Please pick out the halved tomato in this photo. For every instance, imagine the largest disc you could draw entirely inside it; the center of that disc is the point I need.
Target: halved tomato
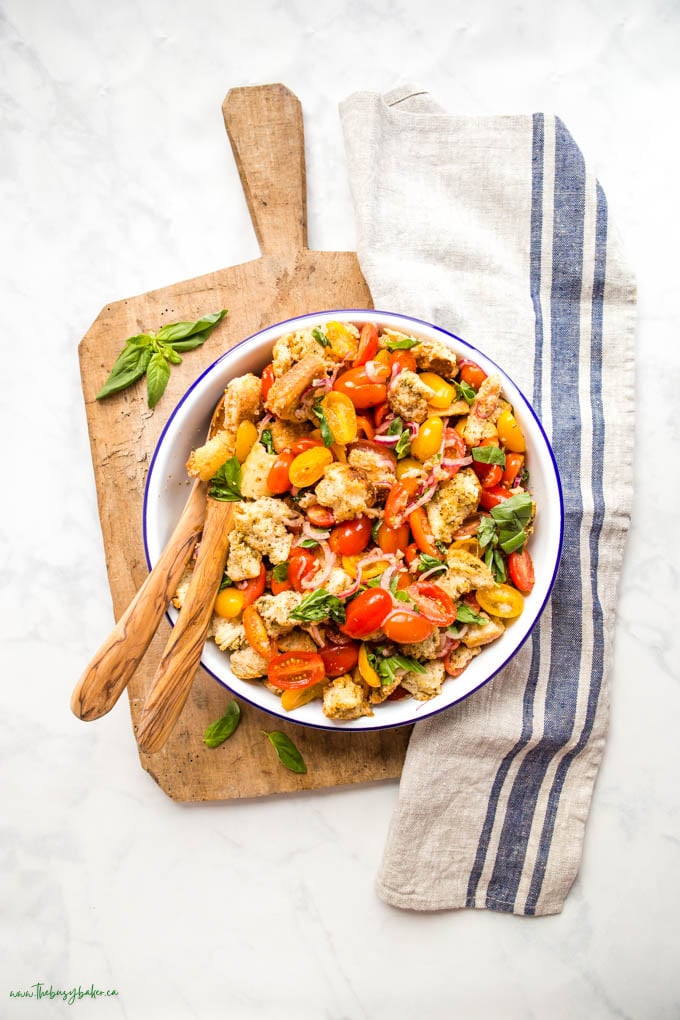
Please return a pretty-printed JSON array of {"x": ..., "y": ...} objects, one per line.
[
  {"x": 501, "y": 600},
  {"x": 278, "y": 479},
  {"x": 393, "y": 540},
  {"x": 320, "y": 516},
  {"x": 492, "y": 497},
  {"x": 397, "y": 501},
  {"x": 339, "y": 659},
  {"x": 256, "y": 633},
  {"x": 305, "y": 443},
  {"x": 433, "y": 603},
  {"x": 404, "y": 359},
  {"x": 471, "y": 373},
  {"x": 254, "y": 587},
  {"x": 268, "y": 379},
  {"x": 422, "y": 533},
  {"x": 521, "y": 570},
  {"x": 300, "y": 565},
  {"x": 295, "y": 670},
  {"x": 366, "y": 612},
  {"x": 368, "y": 344},
  {"x": 352, "y": 537}
]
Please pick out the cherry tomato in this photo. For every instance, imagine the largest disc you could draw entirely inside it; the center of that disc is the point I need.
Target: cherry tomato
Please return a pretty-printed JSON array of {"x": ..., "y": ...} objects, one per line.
[
  {"x": 412, "y": 553},
  {"x": 306, "y": 443},
  {"x": 444, "y": 393},
  {"x": 521, "y": 570},
  {"x": 471, "y": 373},
  {"x": 246, "y": 437},
  {"x": 455, "y": 441},
  {"x": 278, "y": 479},
  {"x": 392, "y": 540},
  {"x": 301, "y": 565},
  {"x": 380, "y": 413},
  {"x": 278, "y": 586},
  {"x": 368, "y": 344},
  {"x": 254, "y": 587},
  {"x": 268, "y": 379},
  {"x": 406, "y": 628},
  {"x": 256, "y": 633},
  {"x": 366, "y": 612},
  {"x": 295, "y": 670},
  {"x": 361, "y": 391},
  {"x": 433, "y": 603},
  {"x": 429, "y": 438},
  {"x": 229, "y": 603},
  {"x": 371, "y": 677},
  {"x": 405, "y": 360},
  {"x": 341, "y": 416},
  {"x": 451, "y": 668},
  {"x": 509, "y": 432},
  {"x": 352, "y": 537},
  {"x": 365, "y": 426},
  {"x": 489, "y": 474},
  {"x": 397, "y": 694},
  {"x": 397, "y": 501},
  {"x": 308, "y": 467},
  {"x": 513, "y": 465},
  {"x": 422, "y": 533},
  {"x": 320, "y": 516},
  {"x": 492, "y": 497},
  {"x": 339, "y": 659},
  {"x": 291, "y": 700},
  {"x": 501, "y": 600}
]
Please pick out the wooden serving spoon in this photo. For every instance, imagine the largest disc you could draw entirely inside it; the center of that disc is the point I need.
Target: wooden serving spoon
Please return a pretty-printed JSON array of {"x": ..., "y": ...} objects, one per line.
[
  {"x": 182, "y": 655},
  {"x": 111, "y": 668}
]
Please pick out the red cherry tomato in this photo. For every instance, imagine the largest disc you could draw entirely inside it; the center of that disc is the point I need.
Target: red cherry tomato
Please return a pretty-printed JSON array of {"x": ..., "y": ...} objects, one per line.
[
  {"x": 405, "y": 628},
  {"x": 392, "y": 540},
  {"x": 471, "y": 373},
  {"x": 489, "y": 475},
  {"x": 366, "y": 612},
  {"x": 513, "y": 466},
  {"x": 295, "y": 670},
  {"x": 278, "y": 586},
  {"x": 405, "y": 359},
  {"x": 339, "y": 659},
  {"x": 365, "y": 425},
  {"x": 521, "y": 570},
  {"x": 422, "y": 533},
  {"x": 493, "y": 496},
  {"x": 433, "y": 603},
  {"x": 256, "y": 633},
  {"x": 368, "y": 344},
  {"x": 254, "y": 587},
  {"x": 306, "y": 443},
  {"x": 397, "y": 694},
  {"x": 397, "y": 501},
  {"x": 380, "y": 413},
  {"x": 356, "y": 385},
  {"x": 278, "y": 481},
  {"x": 352, "y": 537},
  {"x": 449, "y": 666},
  {"x": 300, "y": 566},
  {"x": 320, "y": 516},
  {"x": 268, "y": 379},
  {"x": 454, "y": 444},
  {"x": 412, "y": 553}
]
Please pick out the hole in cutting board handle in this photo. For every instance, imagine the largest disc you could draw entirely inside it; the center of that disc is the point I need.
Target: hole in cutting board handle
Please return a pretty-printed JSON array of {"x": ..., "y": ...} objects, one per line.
[{"x": 264, "y": 125}]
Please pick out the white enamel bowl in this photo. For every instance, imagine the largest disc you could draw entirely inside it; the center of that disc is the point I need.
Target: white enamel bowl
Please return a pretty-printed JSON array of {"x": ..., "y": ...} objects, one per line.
[{"x": 167, "y": 488}]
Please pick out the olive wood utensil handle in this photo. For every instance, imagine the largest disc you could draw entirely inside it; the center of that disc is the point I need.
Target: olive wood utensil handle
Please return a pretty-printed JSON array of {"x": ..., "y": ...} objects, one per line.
[
  {"x": 109, "y": 672},
  {"x": 182, "y": 654}
]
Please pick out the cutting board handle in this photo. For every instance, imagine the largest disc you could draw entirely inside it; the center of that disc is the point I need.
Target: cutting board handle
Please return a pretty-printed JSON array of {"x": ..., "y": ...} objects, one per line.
[{"x": 264, "y": 124}]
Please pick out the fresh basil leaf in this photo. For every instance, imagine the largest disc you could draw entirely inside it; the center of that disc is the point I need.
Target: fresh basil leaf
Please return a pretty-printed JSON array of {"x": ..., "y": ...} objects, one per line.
[
  {"x": 129, "y": 366},
  {"x": 488, "y": 455},
  {"x": 374, "y": 530},
  {"x": 427, "y": 562},
  {"x": 308, "y": 543},
  {"x": 465, "y": 614},
  {"x": 514, "y": 542},
  {"x": 157, "y": 375},
  {"x": 521, "y": 505},
  {"x": 179, "y": 331},
  {"x": 226, "y": 484},
  {"x": 326, "y": 434},
  {"x": 396, "y": 427},
  {"x": 286, "y": 750},
  {"x": 319, "y": 605},
  {"x": 221, "y": 730},
  {"x": 172, "y": 355},
  {"x": 280, "y": 571},
  {"x": 499, "y": 571},
  {"x": 267, "y": 441},
  {"x": 373, "y": 582},
  {"x": 387, "y": 666},
  {"x": 226, "y": 582},
  {"x": 465, "y": 391},
  {"x": 403, "y": 344},
  {"x": 401, "y": 596},
  {"x": 403, "y": 447},
  {"x": 442, "y": 546},
  {"x": 321, "y": 337},
  {"x": 524, "y": 478},
  {"x": 486, "y": 532}
]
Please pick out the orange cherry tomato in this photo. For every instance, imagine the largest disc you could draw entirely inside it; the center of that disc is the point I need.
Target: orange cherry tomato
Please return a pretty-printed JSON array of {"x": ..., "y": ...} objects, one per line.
[
  {"x": 278, "y": 479},
  {"x": 406, "y": 628},
  {"x": 433, "y": 603},
  {"x": 397, "y": 501},
  {"x": 412, "y": 553},
  {"x": 422, "y": 533},
  {"x": 368, "y": 344},
  {"x": 278, "y": 586},
  {"x": 521, "y": 570},
  {"x": 339, "y": 659},
  {"x": 513, "y": 465},
  {"x": 306, "y": 443},
  {"x": 380, "y": 413},
  {"x": 254, "y": 587},
  {"x": 256, "y": 633},
  {"x": 364, "y": 425},
  {"x": 308, "y": 467},
  {"x": 356, "y": 385},
  {"x": 320, "y": 516},
  {"x": 366, "y": 612},
  {"x": 471, "y": 373},
  {"x": 301, "y": 565},
  {"x": 405, "y": 359},
  {"x": 352, "y": 537},
  {"x": 392, "y": 540},
  {"x": 295, "y": 670},
  {"x": 268, "y": 380},
  {"x": 341, "y": 416}
]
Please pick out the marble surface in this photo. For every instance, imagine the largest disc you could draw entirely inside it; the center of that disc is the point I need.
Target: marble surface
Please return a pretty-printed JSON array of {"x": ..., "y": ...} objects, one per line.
[{"x": 116, "y": 178}]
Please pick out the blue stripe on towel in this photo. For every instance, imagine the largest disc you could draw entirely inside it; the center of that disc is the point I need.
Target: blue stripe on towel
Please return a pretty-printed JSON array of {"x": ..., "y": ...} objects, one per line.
[
  {"x": 562, "y": 691},
  {"x": 594, "y": 538},
  {"x": 537, "y": 153}
]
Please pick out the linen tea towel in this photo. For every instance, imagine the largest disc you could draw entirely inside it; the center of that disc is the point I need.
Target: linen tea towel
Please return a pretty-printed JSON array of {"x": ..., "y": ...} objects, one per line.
[{"x": 495, "y": 228}]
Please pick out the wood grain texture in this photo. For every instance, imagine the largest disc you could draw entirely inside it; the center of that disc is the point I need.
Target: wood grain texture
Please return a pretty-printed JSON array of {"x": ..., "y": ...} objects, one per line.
[{"x": 285, "y": 282}]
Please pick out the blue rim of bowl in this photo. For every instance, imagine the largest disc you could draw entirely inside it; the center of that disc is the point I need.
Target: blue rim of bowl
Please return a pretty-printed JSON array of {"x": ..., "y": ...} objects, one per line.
[{"x": 367, "y": 313}]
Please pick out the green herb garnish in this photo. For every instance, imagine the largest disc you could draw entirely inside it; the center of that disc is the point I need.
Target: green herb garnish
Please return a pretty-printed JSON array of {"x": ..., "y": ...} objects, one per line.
[
  {"x": 488, "y": 455},
  {"x": 321, "y": 337},
  {"x": 226, "y": 485},
  {"x": 427, "y": 562},
  {"x": 221, "y": 730},
  {"x": 267, "y": 440},
  {"x": 326, "y": 434},
  {"x": 465, "y": 391},
  {"x": 402, "y": 344},
  {"x": 280, "y": 571},
  {"x": 403, "y": 445},
  {"x": 387, "y": 666},
  {"x": 151, "y": 354},
  {"x": 464, "y": 614},
  {"x": 226, "y": 582},
  {"x": 286, "y": 750},
  {"x": 504, "y": 531},
  {"x": 374, "y": 530},
  {"x": 319, "y": 605},
  {"x": 307, "y": 543}
]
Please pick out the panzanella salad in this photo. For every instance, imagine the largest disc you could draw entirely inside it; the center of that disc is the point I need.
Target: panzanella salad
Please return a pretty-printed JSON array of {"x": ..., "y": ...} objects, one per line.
[{"x": 381, "y": 518}]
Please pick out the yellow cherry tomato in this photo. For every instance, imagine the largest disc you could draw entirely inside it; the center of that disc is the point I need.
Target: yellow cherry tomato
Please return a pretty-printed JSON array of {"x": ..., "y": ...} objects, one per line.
[
  {"x": 366, "y": 669},
  {"x": 501, "y": 600},
  {"x": 341, "y": 416},
  {"x": 349, "y": 565},
  {"x": 459, "y": 427},
  {"x": 429, "y": 439},
  {"x": 343, "y": 340},
  {"x": 509, "y": 432},
  {"x": 229, "y": 603},
  {"x": 309, "y": 466},
  {"x": 409, "y": 467},
  {"x": 383, "y": 357},
  {"x": 444, "y": 393},
  {"x": 246, "y": 437},
  {"x": 291, "y": 699},
  {"x": 468, "y": 545}
]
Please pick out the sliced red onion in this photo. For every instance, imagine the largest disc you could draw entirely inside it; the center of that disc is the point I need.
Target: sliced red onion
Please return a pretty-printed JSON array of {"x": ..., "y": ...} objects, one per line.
[
  {"x": 387, "y": 577},
  {"x": 396, "y": 369},
  {"x": 425, "y": 498},
  {"x": 241, "y": 585},
  {"x": 430, "y": 573},
  {"x": 321, "y": 575},
  {"x": 413, "y": 428},
  {"x": 351, "y": 590},
  {"x": 263, "y": 424},
  {"x": 456, "y": 462},
  {"x": 386, "y": 440},
  {"x": 317, "y": 534},
  {"x": 385, "y": 425},
  {"x": 374, "y": 374},
  {"x": 316, "y": 636}
]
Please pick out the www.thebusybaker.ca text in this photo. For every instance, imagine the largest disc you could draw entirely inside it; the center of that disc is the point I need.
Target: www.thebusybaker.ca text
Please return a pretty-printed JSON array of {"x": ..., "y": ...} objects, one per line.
[{"x": 69, "y": 995}]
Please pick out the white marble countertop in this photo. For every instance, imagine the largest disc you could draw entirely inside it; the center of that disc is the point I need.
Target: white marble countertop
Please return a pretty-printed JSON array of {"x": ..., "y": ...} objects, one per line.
[{"x": 116, "y": 178}]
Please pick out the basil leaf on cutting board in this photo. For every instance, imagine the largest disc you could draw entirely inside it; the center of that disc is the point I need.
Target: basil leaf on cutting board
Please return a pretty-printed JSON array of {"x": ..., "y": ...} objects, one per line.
[
  {"x": 286, "y": 750},
  {"x": 221, "y": 730}
]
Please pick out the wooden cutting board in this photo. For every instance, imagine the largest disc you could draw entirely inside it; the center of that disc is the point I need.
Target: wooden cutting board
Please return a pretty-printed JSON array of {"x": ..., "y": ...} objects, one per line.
[{"x": 264, "y": 125}]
